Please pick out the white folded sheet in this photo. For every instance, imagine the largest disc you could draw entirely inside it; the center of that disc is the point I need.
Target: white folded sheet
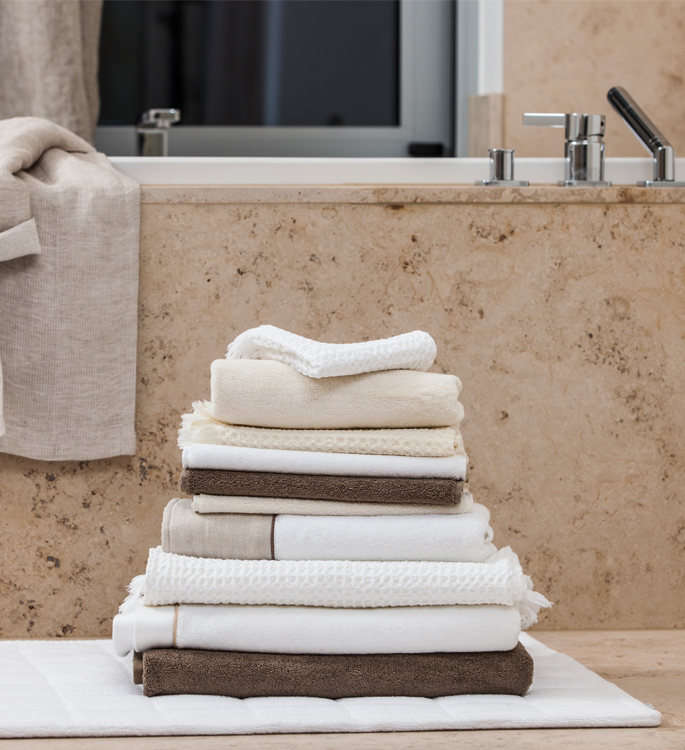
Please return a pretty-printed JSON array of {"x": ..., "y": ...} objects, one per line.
[
  {"x": 290, "y": 506},
  {"x": 177, "y": 579},
  {"x": 315, "y": 630},
  {"x": 233, "y": 458},
  {"x": 459, "y": 538},
  {"x": 408, "y": 351}
]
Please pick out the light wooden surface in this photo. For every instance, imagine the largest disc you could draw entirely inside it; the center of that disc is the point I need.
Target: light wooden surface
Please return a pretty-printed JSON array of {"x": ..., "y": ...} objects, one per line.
[{"x": 648, "y": 664}]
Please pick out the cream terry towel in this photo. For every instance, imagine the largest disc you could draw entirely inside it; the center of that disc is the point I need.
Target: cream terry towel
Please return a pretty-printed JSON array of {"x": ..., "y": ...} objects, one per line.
[
  {"x": 272, "y": 394},
  {"x": 458, "y": 538},
  {"x": 68, "y": 296},
  {"x": 231, "y": 458},
  {"x": 202, "y": 427},
  {"x": 290, "y": 506},
  {"x": 176, "y": 579},
  {"x": 317, "y": 630},
  {"x": 409, "y": 351}
]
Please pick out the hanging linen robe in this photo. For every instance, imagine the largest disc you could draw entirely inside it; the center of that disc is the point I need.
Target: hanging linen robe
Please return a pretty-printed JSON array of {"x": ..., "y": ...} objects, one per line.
[
  {"x": 69, "y": 226},
  {"x": 49, "y": 61}
]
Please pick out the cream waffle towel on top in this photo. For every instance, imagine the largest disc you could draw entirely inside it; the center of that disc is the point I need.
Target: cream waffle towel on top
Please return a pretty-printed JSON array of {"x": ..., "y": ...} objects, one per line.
[
  {"x": 202, "y": 427},
  {"x": 409, "y": 351},
  {"x": 176, "y": 579},
  {"x": 272, "y": 394}
]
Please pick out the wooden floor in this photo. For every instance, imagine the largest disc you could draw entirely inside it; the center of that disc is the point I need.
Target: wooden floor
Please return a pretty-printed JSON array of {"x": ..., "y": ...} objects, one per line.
[{"x": 648, "y": 664}]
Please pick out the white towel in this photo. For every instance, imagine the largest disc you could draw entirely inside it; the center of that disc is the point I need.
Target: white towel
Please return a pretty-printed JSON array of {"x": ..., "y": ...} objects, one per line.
[
  {"x": 232, "y": 458},
  {"x": 177, "y": 579},
  {"x": 278, "y": 506},
  {"x": 202, "y": 427},
  {"x": 409, "y": 351},
  {"x": 316, "y": 630},
  {"x": 460, "y": 538}
]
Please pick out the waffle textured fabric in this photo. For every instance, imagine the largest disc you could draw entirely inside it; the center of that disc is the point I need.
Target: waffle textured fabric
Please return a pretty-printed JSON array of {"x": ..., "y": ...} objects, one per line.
[
  {"x": 202, "y": 427},
  {"x": 408, "y": 351},
  {"x": 271, "y": 394},
  {"x": 177, "y": 579},
  {"x": 74, "y": 688}
]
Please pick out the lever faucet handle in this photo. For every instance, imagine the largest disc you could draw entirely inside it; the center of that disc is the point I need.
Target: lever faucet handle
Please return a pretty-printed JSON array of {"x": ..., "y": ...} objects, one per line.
[
  {"x": 160, "y": 118},
  {"x": 545, "y": 119},
  {"x": 578, "y": 125}
]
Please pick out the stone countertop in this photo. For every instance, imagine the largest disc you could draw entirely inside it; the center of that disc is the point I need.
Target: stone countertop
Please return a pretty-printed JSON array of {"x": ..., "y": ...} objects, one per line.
[
  {"x": 649, "y": 664},
  {"x": 408, "y": 194}
]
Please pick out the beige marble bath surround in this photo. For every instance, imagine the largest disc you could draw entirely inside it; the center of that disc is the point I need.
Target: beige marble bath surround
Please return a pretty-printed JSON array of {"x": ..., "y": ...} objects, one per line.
[{"x": 561, "y": 311}]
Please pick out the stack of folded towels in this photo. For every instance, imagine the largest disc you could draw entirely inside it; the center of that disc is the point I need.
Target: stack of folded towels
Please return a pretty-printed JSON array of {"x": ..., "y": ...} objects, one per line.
[{"x": 330, "y": 548}]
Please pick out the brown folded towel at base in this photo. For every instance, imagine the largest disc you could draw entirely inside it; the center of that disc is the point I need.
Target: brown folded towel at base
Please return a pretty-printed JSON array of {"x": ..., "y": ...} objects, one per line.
[
  {"x": 322, "y": 487},
  {"x": 169, "y": 671}
]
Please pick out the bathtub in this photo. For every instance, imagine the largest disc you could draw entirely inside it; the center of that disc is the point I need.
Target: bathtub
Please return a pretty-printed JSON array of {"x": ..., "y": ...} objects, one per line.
[{"x": 180, "y": 170}]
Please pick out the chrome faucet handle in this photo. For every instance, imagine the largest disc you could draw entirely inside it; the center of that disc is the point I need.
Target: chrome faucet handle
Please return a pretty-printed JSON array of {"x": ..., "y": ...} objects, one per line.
[
  {"x": 159, "y": 118},
  {"x": 649, "y": 136},
  {"x": 153, "y": 131},
  {"x": 502, "y": 169},
  {"x": 584, "y": 147}
]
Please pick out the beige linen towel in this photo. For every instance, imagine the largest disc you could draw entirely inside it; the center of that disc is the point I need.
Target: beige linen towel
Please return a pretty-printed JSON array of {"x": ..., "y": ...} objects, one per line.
[
  {"x": 49, "y": 62},
  {"x": 290, "y": 506},
  {"x": 68, "y": 296},
  {"x": 263, "y": 393}
]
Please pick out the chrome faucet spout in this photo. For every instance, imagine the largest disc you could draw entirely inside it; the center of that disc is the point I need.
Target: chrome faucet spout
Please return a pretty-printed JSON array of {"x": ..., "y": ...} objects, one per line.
[{"x": 648, "y": 134}]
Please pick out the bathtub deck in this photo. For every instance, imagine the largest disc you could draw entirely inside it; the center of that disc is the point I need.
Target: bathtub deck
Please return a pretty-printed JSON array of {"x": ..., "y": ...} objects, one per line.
[{"x": 648, "y": 664}]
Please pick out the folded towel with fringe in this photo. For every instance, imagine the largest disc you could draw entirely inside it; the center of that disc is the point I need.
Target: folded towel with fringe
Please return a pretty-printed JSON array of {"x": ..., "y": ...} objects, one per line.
[
  {"x": 408, "y": 351},
  {"x": 177, "y": 579},
  {"x": 272, "y": 394},
  {"x": 313, "y": 630},
  {"x": 321, "y": 487},
  {"x": 232, "y": 458},
  {"x": 292, "y": 506},
  {"x": 202, "y": 427},
  {"x": 178, "y": 671},
  {"x": 459, "y": 538}
]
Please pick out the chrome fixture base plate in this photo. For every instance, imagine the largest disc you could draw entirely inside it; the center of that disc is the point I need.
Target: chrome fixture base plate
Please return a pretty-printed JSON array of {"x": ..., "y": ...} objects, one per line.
[
  {"x": 503, "y": 183},
  {"x": 660, "y": 183},
  {"x": 584, "y": 183}
]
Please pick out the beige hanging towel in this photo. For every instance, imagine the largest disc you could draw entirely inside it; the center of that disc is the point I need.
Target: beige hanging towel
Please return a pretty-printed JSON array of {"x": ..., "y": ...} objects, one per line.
[{"x": 69, "y": 226}]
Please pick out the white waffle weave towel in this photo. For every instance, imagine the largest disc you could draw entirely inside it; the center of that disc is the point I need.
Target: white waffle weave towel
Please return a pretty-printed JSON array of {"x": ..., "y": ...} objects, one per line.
[
  {"x": 176, "y": 579},
  {"x": 408, "y": 351}
]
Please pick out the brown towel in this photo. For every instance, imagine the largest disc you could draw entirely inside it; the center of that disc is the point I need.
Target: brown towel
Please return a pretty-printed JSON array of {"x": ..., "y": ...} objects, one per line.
[
  {"x": 321, "y": 487},
  {"x": 168, "y": 671}
]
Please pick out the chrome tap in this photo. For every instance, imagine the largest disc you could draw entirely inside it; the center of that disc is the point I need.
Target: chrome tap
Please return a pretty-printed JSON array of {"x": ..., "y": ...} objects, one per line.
[
  {"x": 153, "y": 131},
  {"x": 649, "y": 135},
  {"x": 584, "y": 148}
]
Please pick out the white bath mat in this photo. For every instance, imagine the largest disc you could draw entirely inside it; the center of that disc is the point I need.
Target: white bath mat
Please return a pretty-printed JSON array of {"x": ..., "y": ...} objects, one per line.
[{"x": 80, "y": 689}]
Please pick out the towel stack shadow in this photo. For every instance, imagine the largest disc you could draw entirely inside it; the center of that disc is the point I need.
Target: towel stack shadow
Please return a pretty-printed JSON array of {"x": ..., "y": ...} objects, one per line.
[{"x": 330, "y": 548}]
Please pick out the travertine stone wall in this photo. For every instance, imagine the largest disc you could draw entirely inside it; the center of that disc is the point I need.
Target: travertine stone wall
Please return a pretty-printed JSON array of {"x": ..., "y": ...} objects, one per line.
[
  {"x": 561, "y": 310},
  {"x": 564, "y": 55}
]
